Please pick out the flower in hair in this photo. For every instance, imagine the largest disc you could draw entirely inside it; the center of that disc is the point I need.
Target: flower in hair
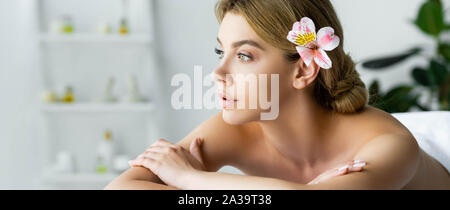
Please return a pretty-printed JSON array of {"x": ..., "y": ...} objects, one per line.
[{"x": 312, "y": 46}]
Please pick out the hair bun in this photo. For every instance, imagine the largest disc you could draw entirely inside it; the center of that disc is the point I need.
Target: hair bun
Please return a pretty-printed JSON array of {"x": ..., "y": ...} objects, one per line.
[{"x": 350, "y": 94}]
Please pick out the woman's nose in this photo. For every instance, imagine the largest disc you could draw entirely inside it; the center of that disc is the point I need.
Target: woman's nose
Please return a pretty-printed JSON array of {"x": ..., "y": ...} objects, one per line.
[
  {"x": 218, "y": 78},
  {"x": 221, "y": 77}
]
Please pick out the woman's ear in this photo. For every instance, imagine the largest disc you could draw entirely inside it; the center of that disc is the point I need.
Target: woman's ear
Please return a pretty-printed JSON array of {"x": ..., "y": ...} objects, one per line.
[{"x": 304, "y": 75}]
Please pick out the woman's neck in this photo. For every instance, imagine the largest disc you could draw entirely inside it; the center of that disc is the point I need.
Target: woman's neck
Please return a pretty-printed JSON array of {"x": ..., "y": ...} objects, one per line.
[{"x": 303, "y": 131}]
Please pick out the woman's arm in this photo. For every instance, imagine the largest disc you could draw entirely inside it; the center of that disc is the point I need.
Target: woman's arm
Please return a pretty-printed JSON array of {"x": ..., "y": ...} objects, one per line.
[
  {"x": 202, "y": 180},
  {"x": 138, "y": 178},
  {"x": 392, "y": 161},
  {"x": 218, "y": 149}
]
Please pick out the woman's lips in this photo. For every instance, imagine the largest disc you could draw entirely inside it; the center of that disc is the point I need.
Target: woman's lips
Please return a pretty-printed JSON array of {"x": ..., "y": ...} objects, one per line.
[{"x": 226, "y": 102}]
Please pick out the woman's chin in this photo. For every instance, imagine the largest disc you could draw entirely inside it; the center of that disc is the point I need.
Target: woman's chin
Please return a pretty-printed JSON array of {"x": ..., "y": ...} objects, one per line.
[{"x": 239, "y": 117}]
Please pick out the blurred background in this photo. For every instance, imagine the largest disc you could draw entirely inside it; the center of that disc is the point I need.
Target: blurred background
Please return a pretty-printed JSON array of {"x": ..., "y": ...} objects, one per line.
[{"x": 85, "y": 84}]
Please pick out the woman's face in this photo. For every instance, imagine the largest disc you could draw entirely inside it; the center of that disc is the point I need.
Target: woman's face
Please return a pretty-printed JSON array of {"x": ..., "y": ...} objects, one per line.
[{"x": 244, "y": 59}]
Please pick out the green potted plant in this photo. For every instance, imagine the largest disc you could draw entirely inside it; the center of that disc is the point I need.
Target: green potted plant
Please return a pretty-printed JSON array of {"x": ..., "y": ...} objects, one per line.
[{"x": 434, "y": 78}]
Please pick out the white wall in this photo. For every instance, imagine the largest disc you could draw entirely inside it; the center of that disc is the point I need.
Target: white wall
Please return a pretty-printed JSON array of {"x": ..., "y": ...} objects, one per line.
[
  {"x": 17, "y": 80},
  {"x": 187, "y": 32}
]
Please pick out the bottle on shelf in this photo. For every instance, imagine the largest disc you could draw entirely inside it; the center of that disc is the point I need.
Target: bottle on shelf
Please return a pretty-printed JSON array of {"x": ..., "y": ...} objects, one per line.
[
  {"x": 105, "y": 154},
  {"x": 123, "y": 25},
  {"x": 62, "y": 25},
  {"x": 123, "y": 28},
  {"x": 68, "y": 25},
  {"x": 101, "y": 166},
  {"x": 107, "y": 94},
  {"x": 68, "y": 96},
  {"x": 133, "y": 95},
  {"x": 104, "y": 28},
  {"x": 49, "y": 97}
]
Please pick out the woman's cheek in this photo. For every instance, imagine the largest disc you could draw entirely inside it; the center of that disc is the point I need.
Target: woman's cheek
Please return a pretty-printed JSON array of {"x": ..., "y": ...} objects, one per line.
[{"x": 251, "y": 81}]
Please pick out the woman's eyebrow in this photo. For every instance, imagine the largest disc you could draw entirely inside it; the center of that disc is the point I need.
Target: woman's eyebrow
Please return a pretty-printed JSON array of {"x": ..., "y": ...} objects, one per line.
[{"x": 243, "y": 42}]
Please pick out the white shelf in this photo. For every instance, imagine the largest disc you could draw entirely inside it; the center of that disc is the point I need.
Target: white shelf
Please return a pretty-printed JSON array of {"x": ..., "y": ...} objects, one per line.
[
  {"x": 77, "y": 178},
  {"x": 86, "y": 49},
  {"x": 96, "y": 38},
  {"x": 97, "y": 107}
]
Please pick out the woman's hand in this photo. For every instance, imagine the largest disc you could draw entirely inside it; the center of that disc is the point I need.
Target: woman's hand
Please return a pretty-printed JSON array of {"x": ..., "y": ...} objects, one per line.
[
  {"x": 349, "y": 167},
  {"x": 171, "y": 162}
]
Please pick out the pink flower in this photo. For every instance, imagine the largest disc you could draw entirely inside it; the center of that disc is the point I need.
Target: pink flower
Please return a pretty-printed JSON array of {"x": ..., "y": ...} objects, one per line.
[{"x": 311, "y": 45}]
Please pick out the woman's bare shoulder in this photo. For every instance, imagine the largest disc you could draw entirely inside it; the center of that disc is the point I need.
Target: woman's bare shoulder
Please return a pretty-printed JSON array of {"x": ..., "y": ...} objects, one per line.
[
  {"x": 372, "y": 122},
  {"x": 375, "y": 129},
  {"x": 223, "y": 143},
  {"x": 395, "y": 150}
]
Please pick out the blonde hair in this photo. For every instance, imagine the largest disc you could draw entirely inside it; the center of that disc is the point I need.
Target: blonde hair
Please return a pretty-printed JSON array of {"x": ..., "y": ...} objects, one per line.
[{"x": 340, "y": 88}]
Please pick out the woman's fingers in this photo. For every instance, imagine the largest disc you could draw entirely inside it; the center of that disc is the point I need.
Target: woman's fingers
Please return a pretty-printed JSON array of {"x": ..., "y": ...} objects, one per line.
[
  {"x": 164, "y": 146},
  {"x": 345, "y": 169},
  {"x": 357, "y": 166},
  {"x": 146, "y": 155},
  {"x": 146, "y": 162},
  {"x": 349, "y": 167},
  {"x": 329, "y": 174},
  {"x": 158, "y": 149},
  {"x": 163, "y": 142},
  {"x": 352, "y": 166}
]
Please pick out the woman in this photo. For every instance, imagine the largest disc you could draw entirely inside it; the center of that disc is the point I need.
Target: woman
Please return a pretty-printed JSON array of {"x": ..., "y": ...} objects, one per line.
[{"x": 323, "y": 122}]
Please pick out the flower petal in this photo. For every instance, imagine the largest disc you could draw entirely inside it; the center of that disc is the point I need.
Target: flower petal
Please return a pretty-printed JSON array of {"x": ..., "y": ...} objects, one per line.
[
  {"x": 307, "y": 26},
  {"x": 303, "y": 32},
  {"x": 326, "y": 39},
  {"x": 306, "y": 54},
  {"x": 293, "y": 36},
  {"x": 322, "y": 59},
  {"x": 297, "y": 27}
]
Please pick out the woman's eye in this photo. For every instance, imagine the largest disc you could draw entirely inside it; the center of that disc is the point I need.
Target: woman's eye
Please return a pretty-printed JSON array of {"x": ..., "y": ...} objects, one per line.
[
  {"x": 219, "y": 52},
  {"x": 244, "y": 57}
]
